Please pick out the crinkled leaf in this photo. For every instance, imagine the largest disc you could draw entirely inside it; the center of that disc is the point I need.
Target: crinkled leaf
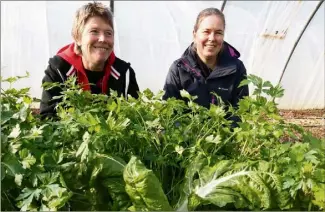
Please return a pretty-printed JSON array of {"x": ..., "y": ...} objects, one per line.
[
  {"x": 112, "y": 166},
  {"x": 139, "y": 183},
  {"x": 116, "y": 189}
]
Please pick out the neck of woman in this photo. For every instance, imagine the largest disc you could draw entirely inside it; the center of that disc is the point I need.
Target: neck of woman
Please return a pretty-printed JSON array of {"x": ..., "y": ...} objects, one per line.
[
  {"x": 91, "y": 66},
  {"x": 210, "y": 62}
]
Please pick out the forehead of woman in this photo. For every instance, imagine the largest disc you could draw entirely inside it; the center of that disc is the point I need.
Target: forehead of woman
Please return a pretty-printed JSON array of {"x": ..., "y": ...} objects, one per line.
[
  {"x": 97, "y": 22},
  {"x": 211, "y": 22},
  {"x": 207, "y": 13}
]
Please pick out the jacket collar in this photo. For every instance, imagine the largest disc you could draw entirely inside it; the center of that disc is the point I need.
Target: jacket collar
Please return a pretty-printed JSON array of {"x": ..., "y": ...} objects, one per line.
[
  {"x": 68, "y": 54},
  {"x": 225, "y": 66}
]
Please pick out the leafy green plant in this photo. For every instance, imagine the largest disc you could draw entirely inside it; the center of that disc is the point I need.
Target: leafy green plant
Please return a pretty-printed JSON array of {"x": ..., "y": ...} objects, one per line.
[{"x": 109, "y": 153}]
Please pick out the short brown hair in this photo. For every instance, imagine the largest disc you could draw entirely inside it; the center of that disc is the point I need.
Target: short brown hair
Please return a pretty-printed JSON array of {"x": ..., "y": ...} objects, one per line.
[
  {"x": 207, "y": 12},
  {"x": 84, "y": 13}
]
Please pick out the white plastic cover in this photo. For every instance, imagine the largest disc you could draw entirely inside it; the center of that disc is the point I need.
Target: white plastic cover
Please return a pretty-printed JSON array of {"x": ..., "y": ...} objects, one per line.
[{"x": 152, "y": 34}]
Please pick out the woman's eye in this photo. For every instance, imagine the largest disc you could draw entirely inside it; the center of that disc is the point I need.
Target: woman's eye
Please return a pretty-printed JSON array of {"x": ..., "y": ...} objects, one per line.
[
  {"x": 108, "y": 33},
  {"x": 94, "y": 31}
]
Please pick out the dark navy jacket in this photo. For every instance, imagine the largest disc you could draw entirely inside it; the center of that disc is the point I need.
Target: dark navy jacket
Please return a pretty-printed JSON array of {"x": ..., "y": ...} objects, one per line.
[{"x": 191, "y": 74}]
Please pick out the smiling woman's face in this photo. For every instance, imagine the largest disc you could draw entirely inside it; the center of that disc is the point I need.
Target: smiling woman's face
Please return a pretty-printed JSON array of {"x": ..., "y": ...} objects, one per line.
[
  {"x": 209, "y": 36},
  {"x": 96, "y": 41}
]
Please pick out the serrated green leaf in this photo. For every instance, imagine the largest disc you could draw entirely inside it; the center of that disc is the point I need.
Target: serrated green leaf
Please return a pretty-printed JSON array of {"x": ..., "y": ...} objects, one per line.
[
  {"x": 27, "y": 197},
  {"x": 319, "y": 175},
  {"x": 288, "y": 182},
  {"x": 28, "y": 161},
  {"x": 312, "y": 157},
  {"x": 15, "y": 132},
  {"x": 83, "y": 149},
  {"x": 18, "y": 179}
]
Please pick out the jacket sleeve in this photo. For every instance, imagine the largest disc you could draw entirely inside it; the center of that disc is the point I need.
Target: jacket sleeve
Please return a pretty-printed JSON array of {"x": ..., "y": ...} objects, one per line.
[
  {"x": 47, "y": 104},
  {"x": 172, "y": 85},
  {"x": 133, "y": 88}
]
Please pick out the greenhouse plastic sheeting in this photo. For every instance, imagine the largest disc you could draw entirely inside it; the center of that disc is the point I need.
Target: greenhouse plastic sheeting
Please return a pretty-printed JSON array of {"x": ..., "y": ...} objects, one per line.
[{"x": 152, "y": 34}]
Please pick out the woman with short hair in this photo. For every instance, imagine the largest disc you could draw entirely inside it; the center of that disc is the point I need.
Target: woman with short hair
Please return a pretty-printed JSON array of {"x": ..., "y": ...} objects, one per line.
[{"x": 90, "y": 58}]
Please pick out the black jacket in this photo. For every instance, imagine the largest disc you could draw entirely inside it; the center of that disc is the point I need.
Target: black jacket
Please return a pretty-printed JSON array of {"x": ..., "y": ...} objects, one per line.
[
  {"x": 191, "y": 74},
  {"x": 123, "y": 80}
]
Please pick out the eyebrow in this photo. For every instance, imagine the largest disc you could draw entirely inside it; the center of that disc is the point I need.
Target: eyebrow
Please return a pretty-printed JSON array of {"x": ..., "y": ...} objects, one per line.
[
  {"x": 218, "y": 30},
  {"x": 92, "y": 28}
]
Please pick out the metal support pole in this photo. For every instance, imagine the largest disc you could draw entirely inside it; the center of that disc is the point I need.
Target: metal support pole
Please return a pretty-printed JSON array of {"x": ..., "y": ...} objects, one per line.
[
  {"x": 111, "y": 5},
  {"x": 223, "y": 5},
  {"x": 298, "y": 39}
]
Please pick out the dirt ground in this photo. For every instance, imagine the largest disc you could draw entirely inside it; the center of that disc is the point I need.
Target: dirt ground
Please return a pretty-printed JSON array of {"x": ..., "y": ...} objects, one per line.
[{"x": 312, "y": 120}]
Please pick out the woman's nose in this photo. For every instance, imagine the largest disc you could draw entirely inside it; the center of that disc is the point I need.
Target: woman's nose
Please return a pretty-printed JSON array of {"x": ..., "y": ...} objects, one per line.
[
  {"x": 101, "y": 37},
  {"x": 212, "y": 36}
]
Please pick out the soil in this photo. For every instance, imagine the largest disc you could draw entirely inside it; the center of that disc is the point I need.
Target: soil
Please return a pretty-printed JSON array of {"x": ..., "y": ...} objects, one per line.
[{"x": 312, "y": 120}]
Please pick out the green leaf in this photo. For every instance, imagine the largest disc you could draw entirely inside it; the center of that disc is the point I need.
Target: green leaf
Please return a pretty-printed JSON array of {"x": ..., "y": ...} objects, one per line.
[
  {"x": 222, "y": 197},
  {"x": 213, "y": 139},
  {"x": 12, "y": 165},
  {"x": 267, "y": 84},
  {"x": 3, "y": 172},
  {"x": 83, "y": 150},
  {"x": 185, "y": 94},
  {"x": 319, "y": 196},
  {"x": 23, "y": 113},
  {"x": 243, "y": 83},
  {"x": 288, "y": 183},
  {"x": 28, "y": 161},
  {"x": 18, "y": 179},
  {"x": 179, "y": 149},
  {"x": 112, "y": 166},
  {"x": 210, "y": 186},
  {"x": 27, "y": 197},
  {"x": 48, "y": 178},
  {"x": 15, "y": 132},
  {"x": 62, "y": 181},
  {"x": 320, "y": 175},
  {"x": 6, "y": 116},
  {"x": 312, "y": 157},
  {"x": 139, "y": 183},
  {"x": 116, "y": 189}
]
